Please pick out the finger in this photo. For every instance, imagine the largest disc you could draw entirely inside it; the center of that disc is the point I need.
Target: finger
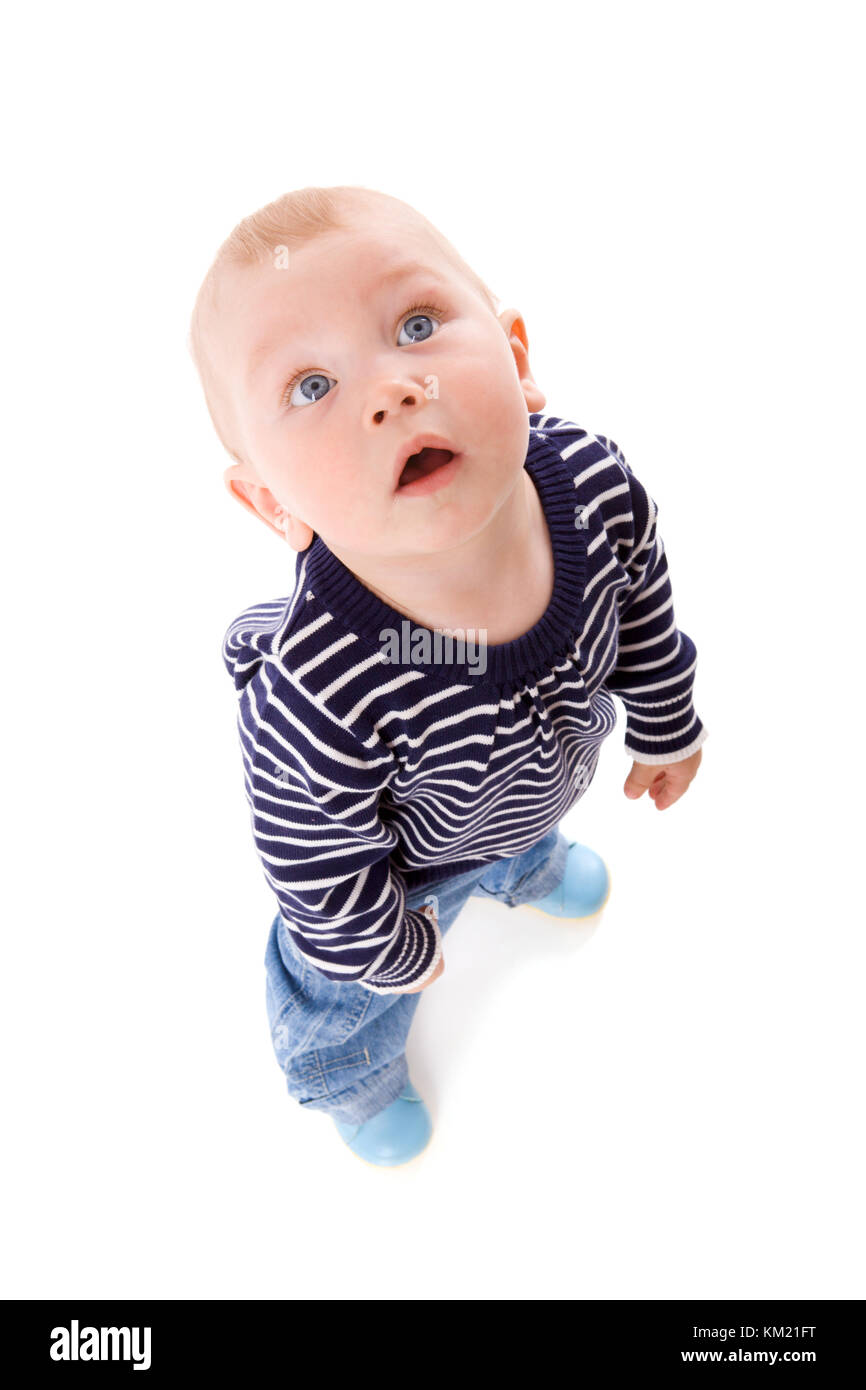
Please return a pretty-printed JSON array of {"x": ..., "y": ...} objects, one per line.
[
  {"x": 670, "y": 795},
  {"x": 640, "y": 777}
]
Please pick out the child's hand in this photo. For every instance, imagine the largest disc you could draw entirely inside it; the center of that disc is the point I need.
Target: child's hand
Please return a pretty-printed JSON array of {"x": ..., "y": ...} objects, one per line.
[{"x": 665, "y": 782}]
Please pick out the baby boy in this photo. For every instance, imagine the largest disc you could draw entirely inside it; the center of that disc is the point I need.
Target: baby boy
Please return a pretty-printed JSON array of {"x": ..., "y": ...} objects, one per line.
[{"x": 474, "y": 580}]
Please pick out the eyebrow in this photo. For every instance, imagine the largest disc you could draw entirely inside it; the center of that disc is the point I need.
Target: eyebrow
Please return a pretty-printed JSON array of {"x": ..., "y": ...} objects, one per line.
[{"x": 257, "y": 358}]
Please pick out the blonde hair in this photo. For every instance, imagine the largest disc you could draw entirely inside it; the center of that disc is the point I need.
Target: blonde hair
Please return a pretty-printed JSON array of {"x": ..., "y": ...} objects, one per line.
[{"x": 291, "y": 221}]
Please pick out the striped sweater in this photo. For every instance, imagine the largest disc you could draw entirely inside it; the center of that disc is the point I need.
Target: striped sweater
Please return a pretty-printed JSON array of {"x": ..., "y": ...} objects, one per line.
[{"x": 374, "y": 768}]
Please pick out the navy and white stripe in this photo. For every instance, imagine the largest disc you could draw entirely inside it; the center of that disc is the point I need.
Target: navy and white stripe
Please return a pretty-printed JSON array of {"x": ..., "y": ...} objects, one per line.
[{"x": 366, "y": 780}]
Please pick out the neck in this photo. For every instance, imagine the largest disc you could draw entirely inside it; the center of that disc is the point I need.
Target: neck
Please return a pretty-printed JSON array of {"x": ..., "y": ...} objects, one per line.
[{"x": 483, "y": 583}]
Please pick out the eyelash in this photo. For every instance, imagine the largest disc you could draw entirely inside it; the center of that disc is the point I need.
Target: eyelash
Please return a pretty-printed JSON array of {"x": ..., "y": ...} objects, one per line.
[{"x": 308, "y": 371}]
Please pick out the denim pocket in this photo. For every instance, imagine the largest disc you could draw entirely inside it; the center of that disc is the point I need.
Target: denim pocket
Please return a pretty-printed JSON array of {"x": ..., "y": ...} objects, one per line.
[
  {"x": 346, "y": 1060},
  {"x": 317, "y": 1076}
]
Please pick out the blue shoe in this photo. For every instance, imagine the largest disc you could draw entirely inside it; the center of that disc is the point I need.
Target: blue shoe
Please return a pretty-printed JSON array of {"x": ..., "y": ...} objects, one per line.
[
  {"x": 583, "y": 891},
  {"x": 397, "y": 1134}
]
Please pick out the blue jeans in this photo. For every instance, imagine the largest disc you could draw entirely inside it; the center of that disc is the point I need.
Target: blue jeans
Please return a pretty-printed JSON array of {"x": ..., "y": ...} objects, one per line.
[{"x": 341, "y": 1047}]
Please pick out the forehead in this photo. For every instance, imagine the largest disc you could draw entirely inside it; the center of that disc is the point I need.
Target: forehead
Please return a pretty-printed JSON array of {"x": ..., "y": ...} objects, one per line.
[{"x": 255, "y": 302}]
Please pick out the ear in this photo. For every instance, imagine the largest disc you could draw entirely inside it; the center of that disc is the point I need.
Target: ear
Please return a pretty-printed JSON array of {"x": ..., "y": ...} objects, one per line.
[
  {"x": 515, "y": 331},
  {"x": 251, "y": 495},
  {"x": 256, "y": 498}
]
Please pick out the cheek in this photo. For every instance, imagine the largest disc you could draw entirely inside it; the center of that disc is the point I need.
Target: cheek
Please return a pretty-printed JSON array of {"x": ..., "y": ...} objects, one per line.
[
  {"x": 338, "y": 494},
  {"x": 490, "y": 390},
  {"x": 336, "y": 477},
  {"x": 490, "y": 370}
]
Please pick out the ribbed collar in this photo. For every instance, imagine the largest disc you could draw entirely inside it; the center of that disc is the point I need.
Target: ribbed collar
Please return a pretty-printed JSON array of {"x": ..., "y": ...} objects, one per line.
[{"x": 361, "y": 611}]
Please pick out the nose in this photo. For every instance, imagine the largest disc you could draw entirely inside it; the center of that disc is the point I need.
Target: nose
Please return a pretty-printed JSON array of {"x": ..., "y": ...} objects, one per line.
[{"x": 390, "y": 395}]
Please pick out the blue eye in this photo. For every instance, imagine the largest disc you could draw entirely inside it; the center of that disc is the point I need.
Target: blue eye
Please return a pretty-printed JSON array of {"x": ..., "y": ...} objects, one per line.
[
  {"x": 313, "y": 387},
  {"x": 419, "y": 326}
]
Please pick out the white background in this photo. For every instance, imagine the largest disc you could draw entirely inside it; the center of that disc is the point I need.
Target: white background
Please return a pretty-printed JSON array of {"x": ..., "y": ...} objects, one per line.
[{"x": 669, "y": 1106}]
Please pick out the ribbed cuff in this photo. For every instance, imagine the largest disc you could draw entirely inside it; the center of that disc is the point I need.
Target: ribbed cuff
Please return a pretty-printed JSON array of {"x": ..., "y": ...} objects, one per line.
[
  {"x": 674, "y": 755},
  {"x": 378, "y": 983}
]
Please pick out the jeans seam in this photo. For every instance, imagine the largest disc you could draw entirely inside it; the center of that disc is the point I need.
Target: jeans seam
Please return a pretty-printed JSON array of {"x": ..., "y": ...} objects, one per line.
[
  {"x": 349, "y": 1061},
  {"x": 284, "y": 1010},
  {"x": 506, "y": 888},
  {"x": 352, "y": 1088},
  {"x": 355, "y": 1019},
  {"x": 512, "y": 889}
]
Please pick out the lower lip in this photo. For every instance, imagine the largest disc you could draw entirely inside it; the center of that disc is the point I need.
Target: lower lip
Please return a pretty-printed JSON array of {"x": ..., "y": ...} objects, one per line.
[{"x": 440, "y": 477}]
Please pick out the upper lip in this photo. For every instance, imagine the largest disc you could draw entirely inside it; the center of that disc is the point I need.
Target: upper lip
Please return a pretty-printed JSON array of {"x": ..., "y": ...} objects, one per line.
[{"x": 414, "y": 446}]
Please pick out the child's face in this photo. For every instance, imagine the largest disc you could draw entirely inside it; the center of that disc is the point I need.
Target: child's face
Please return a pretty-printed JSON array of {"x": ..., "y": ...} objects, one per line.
[{"x": 330, "y": 377}]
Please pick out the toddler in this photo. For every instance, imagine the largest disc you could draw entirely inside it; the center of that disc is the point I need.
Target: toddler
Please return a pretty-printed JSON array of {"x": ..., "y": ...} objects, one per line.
[{"x": 475, "y": 580}]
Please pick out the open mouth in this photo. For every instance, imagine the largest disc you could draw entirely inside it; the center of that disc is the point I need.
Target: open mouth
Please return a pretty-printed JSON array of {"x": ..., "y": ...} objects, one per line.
[{"x": 422, "y": 464}]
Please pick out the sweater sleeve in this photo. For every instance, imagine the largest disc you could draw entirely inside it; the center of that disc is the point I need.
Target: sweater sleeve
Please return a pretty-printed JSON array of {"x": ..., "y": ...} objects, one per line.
[
  {"x": 313, "y": 789},
  {"x": 655, "y": 665}
]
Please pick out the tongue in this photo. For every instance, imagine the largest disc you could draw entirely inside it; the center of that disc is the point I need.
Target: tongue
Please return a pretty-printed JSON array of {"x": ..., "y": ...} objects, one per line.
[{"x": 427, "y": 461}]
